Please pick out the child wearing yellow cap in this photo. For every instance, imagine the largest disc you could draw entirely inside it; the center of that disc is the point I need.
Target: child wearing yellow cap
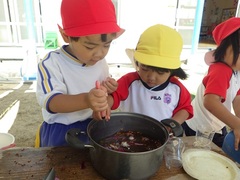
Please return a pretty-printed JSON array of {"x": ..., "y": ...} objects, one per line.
[
  {"x": 219, "y": 92},
  {"x": 67, "y": 76},
  {"x": 154, "y": 89}
]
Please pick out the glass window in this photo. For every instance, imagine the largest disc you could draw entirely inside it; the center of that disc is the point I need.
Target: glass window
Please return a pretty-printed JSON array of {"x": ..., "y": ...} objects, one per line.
[
  {"x": 20, "y": 20},
  {"x": 5, "y": 37},
  {"x": 187, "y": 36},
  {"x": 21, "y": 15},
  {"x": 23, "y": 32},
  {"x": 2, "y": 11}
]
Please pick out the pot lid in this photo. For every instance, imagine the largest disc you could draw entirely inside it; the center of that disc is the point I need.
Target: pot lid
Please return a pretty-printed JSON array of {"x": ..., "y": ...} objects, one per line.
[{"x": 206, "y": 164}]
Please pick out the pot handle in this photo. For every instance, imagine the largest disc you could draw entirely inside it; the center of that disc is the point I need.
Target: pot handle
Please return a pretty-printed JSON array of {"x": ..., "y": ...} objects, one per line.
[
  {"x": 174, "y": 125},
  {"x": 72, "y": 138}
]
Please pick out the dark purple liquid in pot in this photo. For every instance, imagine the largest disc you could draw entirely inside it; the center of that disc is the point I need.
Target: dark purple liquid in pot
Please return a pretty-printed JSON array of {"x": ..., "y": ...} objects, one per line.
[{"x": 130, "y": 141}]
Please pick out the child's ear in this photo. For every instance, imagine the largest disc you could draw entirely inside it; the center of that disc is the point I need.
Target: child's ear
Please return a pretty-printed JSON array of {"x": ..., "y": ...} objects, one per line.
[
  {"x": 209, "y": 57},
  {"x": 65, "y": 37},
  {"x": 136, "y": 65}
]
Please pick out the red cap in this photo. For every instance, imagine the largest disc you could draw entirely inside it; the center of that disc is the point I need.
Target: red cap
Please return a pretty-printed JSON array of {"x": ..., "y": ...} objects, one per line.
[
  {"x": 87, "y": 17},
  {"x": 225, "y": 29}
]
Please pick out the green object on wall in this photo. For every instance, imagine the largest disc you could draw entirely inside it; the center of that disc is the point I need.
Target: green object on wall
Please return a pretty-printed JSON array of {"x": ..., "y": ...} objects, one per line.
[{"x": 51, "y": 41}]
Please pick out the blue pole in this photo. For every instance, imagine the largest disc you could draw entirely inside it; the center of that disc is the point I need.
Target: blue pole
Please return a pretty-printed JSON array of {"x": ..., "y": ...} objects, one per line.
[
  {"x": 28, "y": 7},
  {"x": 29, "y": 67},
  {"x": 197, "y": 25}
]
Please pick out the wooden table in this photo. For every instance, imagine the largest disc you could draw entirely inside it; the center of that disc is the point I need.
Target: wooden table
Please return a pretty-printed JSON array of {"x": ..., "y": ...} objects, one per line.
[{"x": 69, "y": 163}]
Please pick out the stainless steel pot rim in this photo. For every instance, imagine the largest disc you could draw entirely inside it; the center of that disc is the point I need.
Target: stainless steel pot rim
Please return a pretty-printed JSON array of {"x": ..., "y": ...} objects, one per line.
[{"x": 129, "y": 114}]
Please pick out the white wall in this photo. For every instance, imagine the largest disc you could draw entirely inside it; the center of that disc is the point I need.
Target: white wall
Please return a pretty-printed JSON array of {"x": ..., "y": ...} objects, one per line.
[
  {"x": 135, "y": 16},
  {"x": 51, "y": 17}
]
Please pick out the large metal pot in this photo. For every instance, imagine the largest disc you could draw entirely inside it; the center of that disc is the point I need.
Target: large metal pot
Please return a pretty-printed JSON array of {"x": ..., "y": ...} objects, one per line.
[{"x": 123, "y": 165}]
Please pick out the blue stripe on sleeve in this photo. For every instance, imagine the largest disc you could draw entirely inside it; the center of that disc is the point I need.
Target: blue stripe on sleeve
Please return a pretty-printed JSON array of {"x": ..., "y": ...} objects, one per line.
[
  {"x": 45, "y": 76},
  {"x": 48, "y": 101}
]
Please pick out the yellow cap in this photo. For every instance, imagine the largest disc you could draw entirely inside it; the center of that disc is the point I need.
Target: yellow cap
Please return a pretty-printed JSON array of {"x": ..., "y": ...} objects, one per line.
[{"x": 159, "y": 46}]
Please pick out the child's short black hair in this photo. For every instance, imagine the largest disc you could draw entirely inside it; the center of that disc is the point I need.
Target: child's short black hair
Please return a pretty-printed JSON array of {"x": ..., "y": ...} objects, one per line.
[
  {"x": 231, "y": 40},
  {"x": 179, "y": 72},
  {"x": 103, "y": 37}
]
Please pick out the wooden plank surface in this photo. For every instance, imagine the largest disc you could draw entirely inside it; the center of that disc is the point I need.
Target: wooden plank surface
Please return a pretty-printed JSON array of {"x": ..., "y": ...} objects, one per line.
[
  {"x": 69, "y": 163},
  {"x": 33, "y": 163}
]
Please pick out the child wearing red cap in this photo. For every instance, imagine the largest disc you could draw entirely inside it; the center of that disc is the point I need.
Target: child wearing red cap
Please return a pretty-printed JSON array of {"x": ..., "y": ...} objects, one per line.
[
  {"x": 66, "y": 77},
  {"x": 219, "y": 92},
  {"x": 154, "y": 89}
]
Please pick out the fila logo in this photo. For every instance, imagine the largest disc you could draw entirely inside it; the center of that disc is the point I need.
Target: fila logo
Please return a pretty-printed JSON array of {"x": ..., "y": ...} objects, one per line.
[{"x": 156, "y": 98}]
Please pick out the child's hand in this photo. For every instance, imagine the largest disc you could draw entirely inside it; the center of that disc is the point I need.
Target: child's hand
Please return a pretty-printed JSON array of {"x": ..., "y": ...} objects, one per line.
[
  {"x": 237, "y": 138},
  {"x": 98, "y": 115},
  {"x": 97, "y": 99},
  {"x": 110, "y": 84}
]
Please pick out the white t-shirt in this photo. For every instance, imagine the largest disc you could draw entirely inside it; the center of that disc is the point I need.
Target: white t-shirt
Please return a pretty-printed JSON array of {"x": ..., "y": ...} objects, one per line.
[
  {"x": 61, "y": 73},
  {"x": 161, "y": 103},
  {"x": 222, "y": 81}
]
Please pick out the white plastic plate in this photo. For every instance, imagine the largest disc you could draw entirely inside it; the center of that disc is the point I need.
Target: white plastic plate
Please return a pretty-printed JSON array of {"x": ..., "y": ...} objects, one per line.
[
  {"x": 6, "y": 139},
  {"x": 205, "y": 164}
]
